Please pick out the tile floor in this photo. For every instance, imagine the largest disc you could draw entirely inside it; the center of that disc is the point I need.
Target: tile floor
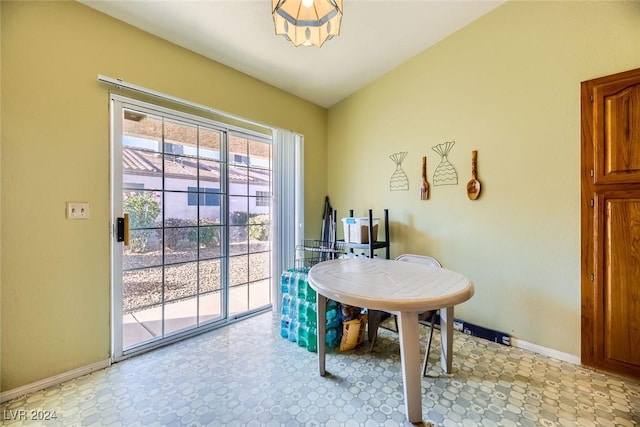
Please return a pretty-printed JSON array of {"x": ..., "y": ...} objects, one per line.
[{"x": 245, "y": 374}]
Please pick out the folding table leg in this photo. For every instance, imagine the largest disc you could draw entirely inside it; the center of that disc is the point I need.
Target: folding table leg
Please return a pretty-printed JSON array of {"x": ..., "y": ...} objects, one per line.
[
  {"x": 410, "y": 359},
  {"x": 322, "y": 331}
]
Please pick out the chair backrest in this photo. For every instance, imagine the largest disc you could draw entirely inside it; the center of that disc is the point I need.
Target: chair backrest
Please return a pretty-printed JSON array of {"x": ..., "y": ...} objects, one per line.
[{"x": 422, "y": 259}]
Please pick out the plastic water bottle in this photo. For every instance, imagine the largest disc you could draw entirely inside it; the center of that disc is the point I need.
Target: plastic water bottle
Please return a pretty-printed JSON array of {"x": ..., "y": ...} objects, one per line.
[
  {"x": 302, "y": 287},
  {"x": 331, "y": 338},
  {"x": 311, "y": 294},
  {"x": 303, "y": 334},
  {"x": 293, "y": 287},
  {"x": 332, "y": 319},
  {"x": 312, "y": 314},
  {"x": 284, "y": 283},
  {"x": 293, "y": 307},
  {"x": 284, "y": 326},
  {"x": 302, "y": 311},
  {"x": 293, "y": 330},
  {"x": 286, "y": 302},
  {"x": 312, "y": 339}
]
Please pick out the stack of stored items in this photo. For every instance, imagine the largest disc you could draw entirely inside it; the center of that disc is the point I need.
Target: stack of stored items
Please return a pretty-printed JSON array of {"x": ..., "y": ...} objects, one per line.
[
  {"x": 298, "y": 322},
  {"x": 354, "y": 320}
]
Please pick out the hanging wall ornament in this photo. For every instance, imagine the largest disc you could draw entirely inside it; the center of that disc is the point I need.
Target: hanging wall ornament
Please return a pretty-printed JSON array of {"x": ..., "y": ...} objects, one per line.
[
  {"x": 445, "y": 173},
  {"x": 473, "y": 186},
  {"x": 424, "y": 190},
  {"x": 399, "y": 180}
]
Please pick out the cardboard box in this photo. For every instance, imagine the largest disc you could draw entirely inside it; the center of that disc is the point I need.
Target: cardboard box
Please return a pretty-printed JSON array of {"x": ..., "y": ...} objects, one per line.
[{"x": 356, "y": 230}]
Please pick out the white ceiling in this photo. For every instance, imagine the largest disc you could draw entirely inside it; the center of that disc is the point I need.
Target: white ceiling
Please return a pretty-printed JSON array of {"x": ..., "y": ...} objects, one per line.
[{"x": 376, "y": 37}]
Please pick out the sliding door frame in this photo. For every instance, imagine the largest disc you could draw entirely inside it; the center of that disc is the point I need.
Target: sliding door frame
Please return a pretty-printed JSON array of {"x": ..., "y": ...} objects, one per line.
[{"x": 283, "y": 245}]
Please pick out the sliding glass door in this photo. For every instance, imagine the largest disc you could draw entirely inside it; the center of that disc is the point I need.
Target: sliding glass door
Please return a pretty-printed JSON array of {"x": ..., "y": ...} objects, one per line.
[{"x": 192, "y": 213}]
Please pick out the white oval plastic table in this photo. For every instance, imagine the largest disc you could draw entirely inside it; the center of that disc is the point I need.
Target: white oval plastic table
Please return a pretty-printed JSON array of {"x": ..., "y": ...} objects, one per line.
[{"x": 401, "y": 288}]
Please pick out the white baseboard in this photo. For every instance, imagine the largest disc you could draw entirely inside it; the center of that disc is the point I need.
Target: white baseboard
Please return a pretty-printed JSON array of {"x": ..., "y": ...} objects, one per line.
[
  {"x": 55, "y": 380},
  {"x": 545, "y": 351}
]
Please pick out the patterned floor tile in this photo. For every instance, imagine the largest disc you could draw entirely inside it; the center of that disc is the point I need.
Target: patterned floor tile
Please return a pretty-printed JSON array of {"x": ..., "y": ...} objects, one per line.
[{"x": 247, "y": 375}]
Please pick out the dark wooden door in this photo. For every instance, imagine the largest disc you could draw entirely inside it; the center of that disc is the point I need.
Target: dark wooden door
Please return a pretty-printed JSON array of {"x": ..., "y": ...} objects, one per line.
[{"x": 611, "y": 223}]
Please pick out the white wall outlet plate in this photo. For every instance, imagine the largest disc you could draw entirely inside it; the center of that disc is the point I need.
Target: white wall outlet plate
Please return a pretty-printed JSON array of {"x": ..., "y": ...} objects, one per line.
[{"x": 77, "y": 210}]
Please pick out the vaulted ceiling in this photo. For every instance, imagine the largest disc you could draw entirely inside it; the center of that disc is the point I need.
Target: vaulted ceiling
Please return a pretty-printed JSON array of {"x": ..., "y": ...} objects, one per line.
[{"x": 376, "y": 37}]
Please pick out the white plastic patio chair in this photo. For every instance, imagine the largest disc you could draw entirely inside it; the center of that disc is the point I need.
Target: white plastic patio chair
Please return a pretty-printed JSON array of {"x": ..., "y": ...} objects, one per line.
[{"x": 426, "y": 318}]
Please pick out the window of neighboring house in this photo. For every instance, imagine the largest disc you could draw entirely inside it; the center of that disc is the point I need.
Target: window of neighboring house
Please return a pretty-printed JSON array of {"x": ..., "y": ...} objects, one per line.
[
  {"x": 206, "y": 196},
  {"x": 238, "y": 158},
  {"x": 263, "y": 198},
  {"x": 133, "y": 186}
]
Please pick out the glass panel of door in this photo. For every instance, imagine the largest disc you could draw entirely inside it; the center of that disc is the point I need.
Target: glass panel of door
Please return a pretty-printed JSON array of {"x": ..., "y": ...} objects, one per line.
[{"x": 249, "y": 223}]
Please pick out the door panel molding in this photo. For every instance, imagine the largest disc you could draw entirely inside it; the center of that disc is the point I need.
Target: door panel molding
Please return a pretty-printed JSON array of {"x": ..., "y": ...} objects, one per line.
[
  {"x": 616, "y": 102},
  {"x": 621, "y": 270}
]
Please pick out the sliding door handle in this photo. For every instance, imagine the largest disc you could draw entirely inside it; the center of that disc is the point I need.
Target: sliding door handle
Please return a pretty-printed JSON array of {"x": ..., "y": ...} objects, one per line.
[
  {"x": 122, "y": 229},
  {"x": 126, "y": 229}
]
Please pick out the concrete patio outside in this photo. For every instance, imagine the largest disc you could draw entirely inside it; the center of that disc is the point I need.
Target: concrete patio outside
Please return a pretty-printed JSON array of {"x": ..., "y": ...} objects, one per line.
[{"x": 146, "y": 325}]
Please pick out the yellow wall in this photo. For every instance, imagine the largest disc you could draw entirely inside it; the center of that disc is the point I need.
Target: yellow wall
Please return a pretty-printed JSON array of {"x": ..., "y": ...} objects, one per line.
[
  {"x": 507, "y": 85},
  {"x": 55, "y": 148},
  {"x": 0, "y": 194}
]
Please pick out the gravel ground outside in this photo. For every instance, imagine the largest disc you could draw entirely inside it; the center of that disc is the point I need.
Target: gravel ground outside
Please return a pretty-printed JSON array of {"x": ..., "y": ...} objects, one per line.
[{"x": 142, "y": 284}]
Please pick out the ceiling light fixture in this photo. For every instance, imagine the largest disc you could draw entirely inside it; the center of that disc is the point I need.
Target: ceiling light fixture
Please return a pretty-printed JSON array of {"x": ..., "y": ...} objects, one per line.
[{"x": 307, "y": 22}]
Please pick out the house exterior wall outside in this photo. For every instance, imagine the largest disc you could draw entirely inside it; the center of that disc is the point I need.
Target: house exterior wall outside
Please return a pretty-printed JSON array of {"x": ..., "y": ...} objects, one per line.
[
  {"x": 55, "y": 148},
  {"x": 180, "y": 208},
  {"x": 508, "y": 86}
]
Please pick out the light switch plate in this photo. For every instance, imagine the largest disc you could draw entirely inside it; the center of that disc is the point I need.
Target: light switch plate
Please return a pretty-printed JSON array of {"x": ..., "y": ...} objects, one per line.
[{"x": 77, "y": 210}]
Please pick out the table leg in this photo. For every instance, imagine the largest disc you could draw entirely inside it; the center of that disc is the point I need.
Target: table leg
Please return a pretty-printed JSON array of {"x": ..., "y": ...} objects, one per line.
[
  {"x": 410, "y": 358},
  {"x": 321, "y": 311},
  {"x": 446, "y": 339}
]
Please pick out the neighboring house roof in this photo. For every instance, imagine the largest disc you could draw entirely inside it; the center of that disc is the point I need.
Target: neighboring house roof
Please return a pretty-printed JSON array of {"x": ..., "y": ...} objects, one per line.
[
  {"x": 137, "y": 124},
  {"x": 140, "y": 161}
]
